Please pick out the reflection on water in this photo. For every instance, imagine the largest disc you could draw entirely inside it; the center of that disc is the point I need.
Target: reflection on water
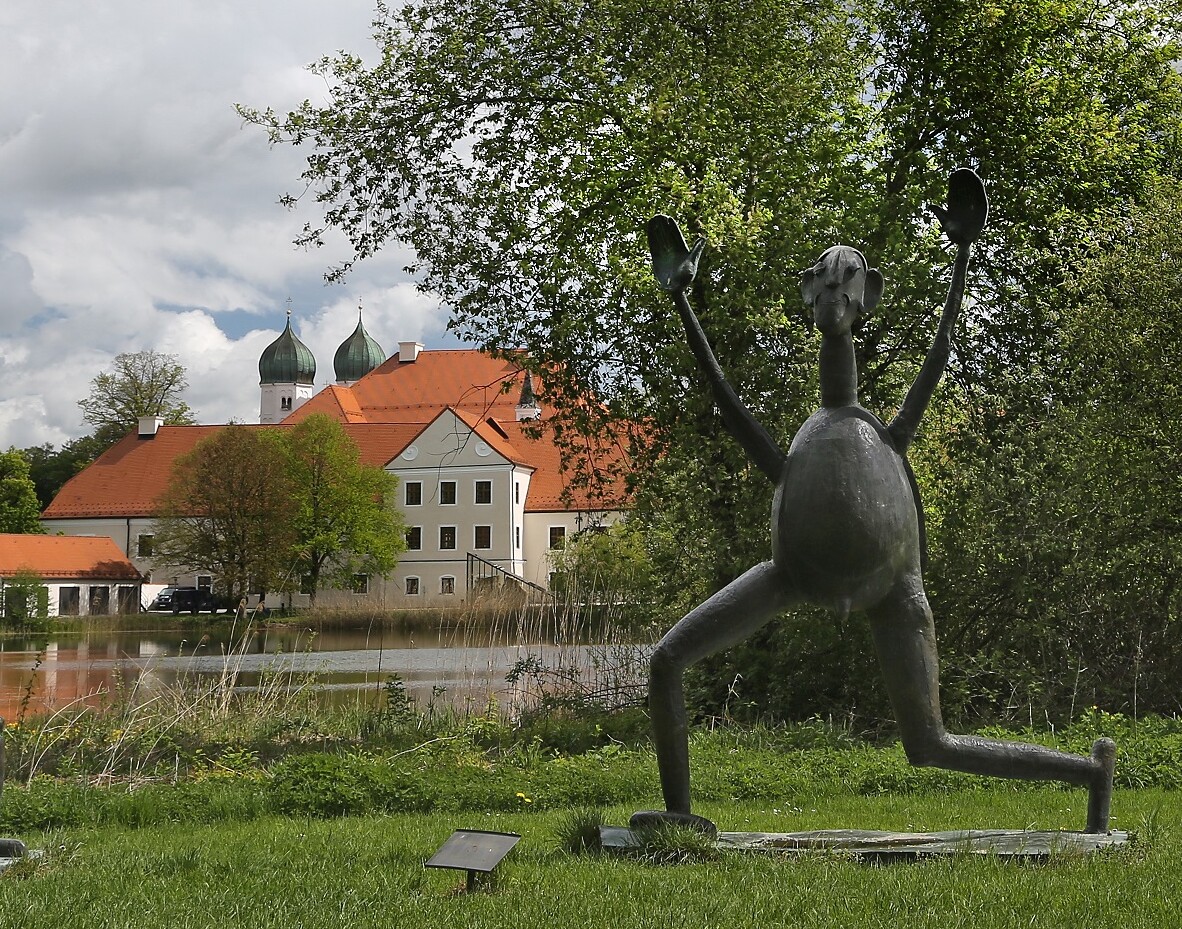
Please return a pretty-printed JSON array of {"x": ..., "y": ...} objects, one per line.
[{"x": 47, "y": 673}]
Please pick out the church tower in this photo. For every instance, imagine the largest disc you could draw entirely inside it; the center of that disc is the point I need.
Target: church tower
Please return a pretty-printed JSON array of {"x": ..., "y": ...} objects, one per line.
[
  {"x": 357, "y": 356},
  {"x": 286, "y": 372}
]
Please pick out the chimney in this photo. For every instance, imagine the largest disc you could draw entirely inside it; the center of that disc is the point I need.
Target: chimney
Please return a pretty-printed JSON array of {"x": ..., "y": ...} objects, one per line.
[
  {"x": 409, "y": 351},
  {"x": 149, "y": 426}
]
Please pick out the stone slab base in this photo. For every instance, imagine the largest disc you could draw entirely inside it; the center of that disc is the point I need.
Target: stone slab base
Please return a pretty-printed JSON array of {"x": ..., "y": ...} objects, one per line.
[
  {"x": 11, "y": 851},
  {"x": 903, "y": 846}
]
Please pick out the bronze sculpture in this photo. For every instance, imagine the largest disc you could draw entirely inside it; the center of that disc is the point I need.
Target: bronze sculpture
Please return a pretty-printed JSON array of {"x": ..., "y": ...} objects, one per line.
[{"x": 847, "y": 527}]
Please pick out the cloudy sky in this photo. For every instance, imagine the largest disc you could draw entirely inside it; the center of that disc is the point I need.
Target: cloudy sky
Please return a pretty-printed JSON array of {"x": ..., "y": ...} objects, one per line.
[{"x": 138, "y": 212}]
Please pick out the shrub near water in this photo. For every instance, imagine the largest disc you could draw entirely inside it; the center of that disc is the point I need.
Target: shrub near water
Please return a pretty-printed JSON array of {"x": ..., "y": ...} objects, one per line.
[{"x": 324, "y": 785}]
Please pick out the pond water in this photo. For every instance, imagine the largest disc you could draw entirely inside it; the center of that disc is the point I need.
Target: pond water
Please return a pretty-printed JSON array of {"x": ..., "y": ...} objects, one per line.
[{"x": 42, "y": 674}]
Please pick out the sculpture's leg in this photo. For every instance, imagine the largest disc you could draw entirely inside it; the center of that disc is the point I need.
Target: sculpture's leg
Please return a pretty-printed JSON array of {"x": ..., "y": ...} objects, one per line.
[
  {"x": 905, "y": 639},
  {"x": 724, "y": 620}
]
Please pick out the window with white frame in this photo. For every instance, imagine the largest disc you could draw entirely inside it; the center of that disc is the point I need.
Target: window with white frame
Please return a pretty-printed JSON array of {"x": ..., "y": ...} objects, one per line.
[
  {"x": 483, "y": 492},
  {"x": 67, "y": 601},
  {"x": 205, "y": 582},
  {"x": 413, "y": 493},
  {"x": 447, "y": 493},
  {"x": 414, "y": 538},
  {"x": 557, "y": 536},
  {"x": 447, "y": 585},
  {"x": 482, "y": 537},
  {"x": 412, "y": 586},
  {"x": 144, "y": 545},
  {"x": 517, "y": 537},
  {"x": 447, "y": 538},
  {"x": 99, "y": 600},
  {"x": 517, "y": 491}
]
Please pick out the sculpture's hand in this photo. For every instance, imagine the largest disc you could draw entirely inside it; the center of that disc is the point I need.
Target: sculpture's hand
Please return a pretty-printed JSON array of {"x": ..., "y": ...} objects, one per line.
[
  {"x": 674, "y": 265},
  {"x": 968, "y": 207}
]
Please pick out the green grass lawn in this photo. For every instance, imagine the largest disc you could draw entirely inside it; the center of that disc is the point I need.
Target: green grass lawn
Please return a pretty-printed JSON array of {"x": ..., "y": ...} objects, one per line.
[{"x": 368, "y": 872}]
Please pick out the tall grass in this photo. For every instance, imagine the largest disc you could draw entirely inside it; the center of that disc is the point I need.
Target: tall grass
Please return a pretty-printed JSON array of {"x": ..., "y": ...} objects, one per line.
[{"x": 147, "y": 727}]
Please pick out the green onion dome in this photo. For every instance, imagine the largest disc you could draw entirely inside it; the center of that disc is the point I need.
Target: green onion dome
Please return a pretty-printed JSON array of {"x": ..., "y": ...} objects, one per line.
[
  {"x": 287, "y": 360},
  {"x": 358, "y": 355}
]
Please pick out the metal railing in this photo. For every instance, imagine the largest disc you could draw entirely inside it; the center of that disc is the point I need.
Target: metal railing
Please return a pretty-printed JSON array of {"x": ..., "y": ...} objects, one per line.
[{"x": 486, "y": 578}]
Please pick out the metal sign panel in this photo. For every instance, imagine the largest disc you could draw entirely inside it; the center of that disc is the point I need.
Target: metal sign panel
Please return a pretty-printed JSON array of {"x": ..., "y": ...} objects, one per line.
[{"x": 474, "y": 850}]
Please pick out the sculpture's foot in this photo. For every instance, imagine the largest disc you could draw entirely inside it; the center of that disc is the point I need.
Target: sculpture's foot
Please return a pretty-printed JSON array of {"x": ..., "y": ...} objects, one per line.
[
  {"x": 650, "y": 819},
  {"x": 1100, "y": 796}
]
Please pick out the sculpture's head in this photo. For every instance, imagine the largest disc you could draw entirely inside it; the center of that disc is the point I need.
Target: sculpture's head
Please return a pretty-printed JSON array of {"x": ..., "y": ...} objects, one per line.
[{"x": 839, "y": 287}]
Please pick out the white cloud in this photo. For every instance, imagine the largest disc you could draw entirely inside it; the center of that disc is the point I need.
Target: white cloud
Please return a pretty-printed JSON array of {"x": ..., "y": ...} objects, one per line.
[{"x": 137, "y": 212}]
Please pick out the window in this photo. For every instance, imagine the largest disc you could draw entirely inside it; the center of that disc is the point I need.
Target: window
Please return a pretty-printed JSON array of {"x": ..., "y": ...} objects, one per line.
[
  {"x": 447, "y": 537},
  {"x": 360, "y": 583},
  {"x": 129, "y": 601},
  {"x": 482, "y": 537},
  {"x": 412, "y": 586},
  {"x": 285, "y": 403},
  {"x": 67, "y": 601},
  {"x": 205, "y": 582},
  {"x": 447, "y": 585},
  {"x": 100, "y": 600},
  {"x": 306, "y": 586},
  {"x": 414, "y": 493},
  {"x": 143, "y": 545},
  {"x": 447, "y": 493},
  {"x": 517, "y": 537},
  {"x": 484, "y": 491},
  {"x": 557, "y": 536},
  {"x": 414, "y": 539},
  {"x": 517, "y": 491}
]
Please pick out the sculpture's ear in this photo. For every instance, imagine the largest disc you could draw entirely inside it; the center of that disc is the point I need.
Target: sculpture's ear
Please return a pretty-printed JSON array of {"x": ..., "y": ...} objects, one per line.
[
  {"x": 808, "y": 286},
  {"x": 873, "y": 292}
]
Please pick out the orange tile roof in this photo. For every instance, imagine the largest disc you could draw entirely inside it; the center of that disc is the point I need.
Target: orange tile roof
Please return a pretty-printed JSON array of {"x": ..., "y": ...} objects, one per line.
[
  {"x": 62, "y": 556},
  {"x": 383, "y": 413},
  {"x": 416, "y": 391},
  {"x": 128, "y": 478},
  {"x": 336, "y": 401},
  {"x": 555, "y": 488}
]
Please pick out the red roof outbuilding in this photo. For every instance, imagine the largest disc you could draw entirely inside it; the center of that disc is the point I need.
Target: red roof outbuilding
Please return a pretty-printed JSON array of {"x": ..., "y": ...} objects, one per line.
[{"x": 58, "y": 557}]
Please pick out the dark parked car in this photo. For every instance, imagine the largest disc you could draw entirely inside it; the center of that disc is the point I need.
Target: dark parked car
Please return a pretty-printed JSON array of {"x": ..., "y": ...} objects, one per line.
[
  {"x": 197, "y": 600},
  {"x": 163, "y": 599}
]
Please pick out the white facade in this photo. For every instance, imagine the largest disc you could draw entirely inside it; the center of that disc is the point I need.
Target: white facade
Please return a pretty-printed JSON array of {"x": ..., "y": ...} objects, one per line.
[
  {"x": 458, "y": 496},
  {"x": 87, "y": 596}
]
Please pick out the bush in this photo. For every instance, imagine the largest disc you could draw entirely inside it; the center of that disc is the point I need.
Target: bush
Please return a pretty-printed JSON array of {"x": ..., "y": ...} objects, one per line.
[{"x": 322, "y": 785}]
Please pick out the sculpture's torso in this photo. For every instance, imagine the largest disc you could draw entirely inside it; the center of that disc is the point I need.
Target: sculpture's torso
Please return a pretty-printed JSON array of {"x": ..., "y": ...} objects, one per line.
[{"x": 844, "y": 521}]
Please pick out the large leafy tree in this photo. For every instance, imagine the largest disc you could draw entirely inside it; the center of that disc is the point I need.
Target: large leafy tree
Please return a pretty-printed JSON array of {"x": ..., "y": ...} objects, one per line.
[
  {"x": 343, "y": 518},
  {"x": 138, "y": 384},
  {"x": 519, "y": 146},
  {"x": 228, "y": 509},
  {"x": 1061, "y": 523},
  {"x": 19, "y": 509}
]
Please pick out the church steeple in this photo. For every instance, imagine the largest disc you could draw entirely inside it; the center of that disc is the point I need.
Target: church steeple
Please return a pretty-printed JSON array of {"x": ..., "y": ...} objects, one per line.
[
  {"x": 527, "y": 405},
  {"x": 287, "y": 370},
  {"x": 358, "y": 355}
]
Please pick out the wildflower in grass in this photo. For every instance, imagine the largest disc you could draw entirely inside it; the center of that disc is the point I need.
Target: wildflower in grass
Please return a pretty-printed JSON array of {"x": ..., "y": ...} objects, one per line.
[{"x": 523, "y": 798}]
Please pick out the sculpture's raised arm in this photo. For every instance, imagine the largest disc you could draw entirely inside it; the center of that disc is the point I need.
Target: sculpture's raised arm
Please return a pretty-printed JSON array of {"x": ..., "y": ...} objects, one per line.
[
  {"x": 962, "y": 221},
  {"x": 675, "y": 267}
]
